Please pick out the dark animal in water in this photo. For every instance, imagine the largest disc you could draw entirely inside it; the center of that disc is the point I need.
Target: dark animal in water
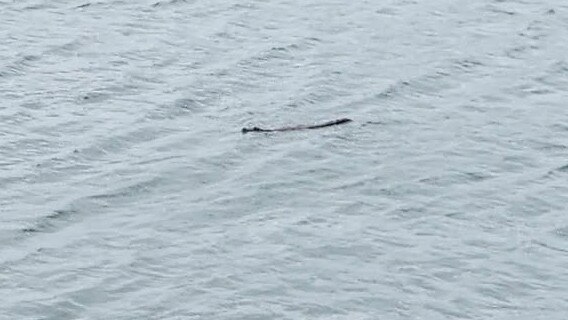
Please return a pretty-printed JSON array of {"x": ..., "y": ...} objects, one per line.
[{"x": 301, "y": 127}]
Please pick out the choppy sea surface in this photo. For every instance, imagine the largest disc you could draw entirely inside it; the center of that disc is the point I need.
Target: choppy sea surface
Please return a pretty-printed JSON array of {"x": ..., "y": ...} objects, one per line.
[{"x": 127, "y": 190}]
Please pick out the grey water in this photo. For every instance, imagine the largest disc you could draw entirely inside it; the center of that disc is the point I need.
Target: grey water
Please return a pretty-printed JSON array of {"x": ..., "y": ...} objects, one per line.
[{"x": 127, "y": 190}]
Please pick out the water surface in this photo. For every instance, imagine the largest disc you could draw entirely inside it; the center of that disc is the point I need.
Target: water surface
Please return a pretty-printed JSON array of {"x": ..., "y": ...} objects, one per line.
[{"x": 128, "y": 191}]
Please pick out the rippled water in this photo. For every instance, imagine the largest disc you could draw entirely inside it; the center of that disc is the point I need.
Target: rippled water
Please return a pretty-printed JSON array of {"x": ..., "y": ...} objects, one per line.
[{"x": 129, "y": 192}]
